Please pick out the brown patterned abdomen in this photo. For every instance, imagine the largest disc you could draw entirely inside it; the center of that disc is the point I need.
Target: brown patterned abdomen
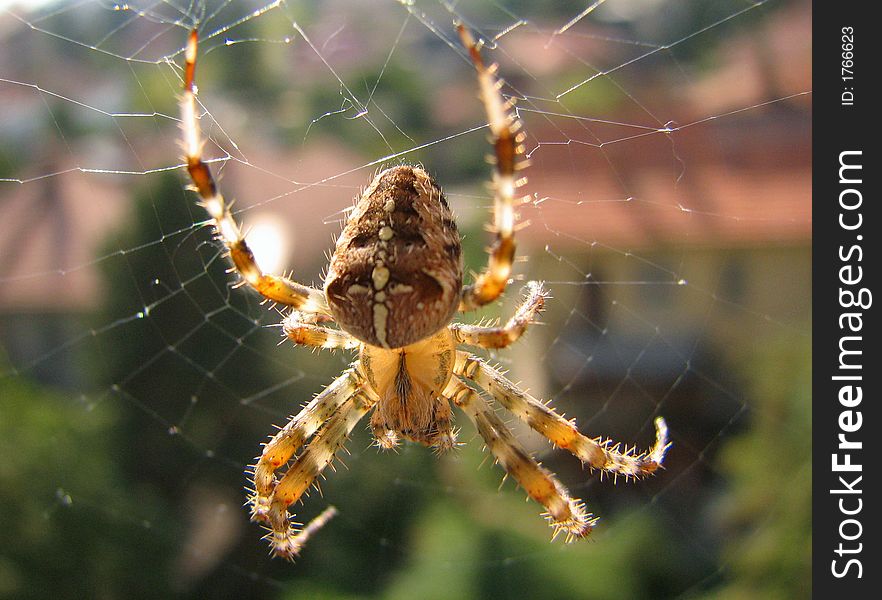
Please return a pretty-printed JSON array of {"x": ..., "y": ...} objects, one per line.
[{"x": 396, "y": 273}]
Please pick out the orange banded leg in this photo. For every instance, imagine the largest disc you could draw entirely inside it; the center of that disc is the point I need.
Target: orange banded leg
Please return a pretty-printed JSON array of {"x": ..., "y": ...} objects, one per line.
[
  {"x": 275, "y": 288},
  {"x": 564, "y": 514},
  {"x": 279, "y": 450},
  {"x": 500, "y": 337},
  {"x": 595, "y": 453},
  {"x": 285, "y": 539},
  {"x": 301, "y": 329},
  {"x": 507, "y": 140}
]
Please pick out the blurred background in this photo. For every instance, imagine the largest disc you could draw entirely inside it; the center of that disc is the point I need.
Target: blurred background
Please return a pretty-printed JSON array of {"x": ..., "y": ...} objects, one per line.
[{"x": 669, "y": 212}]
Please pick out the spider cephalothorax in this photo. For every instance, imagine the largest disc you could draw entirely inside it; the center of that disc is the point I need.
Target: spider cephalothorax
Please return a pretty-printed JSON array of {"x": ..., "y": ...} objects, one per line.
[{"x": 394, "y": 283}]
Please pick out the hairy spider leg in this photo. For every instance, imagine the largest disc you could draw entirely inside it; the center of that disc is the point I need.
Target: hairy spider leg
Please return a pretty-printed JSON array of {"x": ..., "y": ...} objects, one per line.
[
  {"x": 565, "y": 514},
  {"x": 500, "y": 337},
  {"x": 295, "y": 544},
  {"x": 275, "y": 288},
  {"x": 300, "y": 329},
  {"x": 594, "y": 453},
  {"x": 307, "y": 467},
  {"x": 279, "y": 450},
  {"x": 507, "y": 140}
]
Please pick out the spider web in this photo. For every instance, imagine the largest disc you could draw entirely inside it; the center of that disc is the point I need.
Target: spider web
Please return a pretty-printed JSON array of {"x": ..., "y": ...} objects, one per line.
[{"x": 668, "y": 212}]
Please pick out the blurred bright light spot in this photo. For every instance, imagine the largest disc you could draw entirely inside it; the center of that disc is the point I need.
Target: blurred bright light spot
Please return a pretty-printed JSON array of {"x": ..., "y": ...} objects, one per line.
[
  {"x": 270, "y": 241},
  {"x": 25, "y": 4}
]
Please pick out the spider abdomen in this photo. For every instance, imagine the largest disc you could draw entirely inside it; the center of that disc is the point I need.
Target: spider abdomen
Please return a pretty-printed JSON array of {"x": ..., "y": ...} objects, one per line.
[{"x": 396, "y": 273}]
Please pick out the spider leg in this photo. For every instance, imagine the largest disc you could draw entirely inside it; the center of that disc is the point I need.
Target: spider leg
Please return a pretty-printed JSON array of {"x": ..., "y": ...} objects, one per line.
[
  {"x": 285, "y": 539},
  {"x": 508, "y": 145},
  {"x": 279, "y": 450},
  {"x": 445, "y": 434},
  {"x": 594, "y": 453},
  {"x": 384, "y": 438},
  {"x": 500, "y": 337},
  {"x": 275, "y": 288},
  {"x": 301, "y": 329},
  {"x": 565, "y": 514}
]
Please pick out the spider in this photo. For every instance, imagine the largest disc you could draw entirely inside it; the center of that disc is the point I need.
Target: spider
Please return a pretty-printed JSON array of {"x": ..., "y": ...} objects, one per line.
[{"x": 393, "y": 286}]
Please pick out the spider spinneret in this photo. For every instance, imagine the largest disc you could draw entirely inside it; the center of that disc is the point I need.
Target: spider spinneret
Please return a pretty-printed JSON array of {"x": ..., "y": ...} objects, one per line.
[{"x": 394, "y": 283}]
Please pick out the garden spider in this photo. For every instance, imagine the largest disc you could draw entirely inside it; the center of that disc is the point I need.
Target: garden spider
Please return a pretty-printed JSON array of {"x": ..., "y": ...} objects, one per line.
[{"x": 394, "y": 283}]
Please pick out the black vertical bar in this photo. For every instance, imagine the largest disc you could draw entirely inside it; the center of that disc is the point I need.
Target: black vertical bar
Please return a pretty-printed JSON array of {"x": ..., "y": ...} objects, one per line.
[{"x": 846, "y": 370}]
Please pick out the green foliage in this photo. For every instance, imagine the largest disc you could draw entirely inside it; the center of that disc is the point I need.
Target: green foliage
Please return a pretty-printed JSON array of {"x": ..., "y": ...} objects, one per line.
[
  {"x": 456, "y": 557},
  {"x": 69, "y": 529},
  {"x": 770, "y": 474},
  {"x": 397, "y": 93},
  {"x": 598, "y": 97}
]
